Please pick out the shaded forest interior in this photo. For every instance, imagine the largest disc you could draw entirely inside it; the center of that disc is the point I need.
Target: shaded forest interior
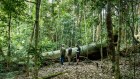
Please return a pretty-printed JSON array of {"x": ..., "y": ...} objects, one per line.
[{"x": 32, "y": 33}]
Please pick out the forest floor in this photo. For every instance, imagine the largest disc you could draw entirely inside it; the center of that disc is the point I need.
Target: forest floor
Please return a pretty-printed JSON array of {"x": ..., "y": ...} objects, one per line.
[{"x": 87, "y": 69}]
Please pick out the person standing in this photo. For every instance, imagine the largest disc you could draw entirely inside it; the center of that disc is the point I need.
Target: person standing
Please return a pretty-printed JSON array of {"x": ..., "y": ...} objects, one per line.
[
  {"x": 62, "y": 53},
  {"x": 69, "y": 54},
  {"x": 78, "y": 53}
]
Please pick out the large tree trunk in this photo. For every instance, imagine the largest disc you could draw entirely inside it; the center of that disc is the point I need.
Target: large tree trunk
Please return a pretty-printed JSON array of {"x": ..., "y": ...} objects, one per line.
[
  {"x": 110, "y": 37},
  {"x": 93, "y": 52}
]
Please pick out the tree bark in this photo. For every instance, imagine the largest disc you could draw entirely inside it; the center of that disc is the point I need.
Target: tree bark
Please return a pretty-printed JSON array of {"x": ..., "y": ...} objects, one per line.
[
  {"x": 117, "y": 68},
  {"x": 9, "y": 41},
  {"x": 98, "y": 30},
  {"x": 36, "y": 38},
  {"x": 110, "y": 37}
]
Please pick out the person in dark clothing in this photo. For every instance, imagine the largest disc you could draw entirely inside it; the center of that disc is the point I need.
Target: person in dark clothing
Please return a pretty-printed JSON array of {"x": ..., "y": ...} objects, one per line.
[
  {"x": 62, "y": 51},
  {"x": 69, "y": 54},
  {"x": 78, "y": 53}
]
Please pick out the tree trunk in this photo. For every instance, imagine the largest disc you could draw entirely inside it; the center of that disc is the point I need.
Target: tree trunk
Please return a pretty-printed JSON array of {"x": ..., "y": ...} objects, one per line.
[
  {"x": 117, "y": 68},
  {"x": 134, "y": 42},
  {"x": 101, "y": 20},
  {"x": 36, "y": 38},
  {"x": 9, "y": 41},
  {"x": 93, "y": 51},
  {"x": 111, "y": 49},
  {"x": 98, "y": 31}
]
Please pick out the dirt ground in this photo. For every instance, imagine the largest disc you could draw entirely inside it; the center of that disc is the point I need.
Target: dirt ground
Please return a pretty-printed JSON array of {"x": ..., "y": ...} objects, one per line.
[{"x": 87, "y": 70}]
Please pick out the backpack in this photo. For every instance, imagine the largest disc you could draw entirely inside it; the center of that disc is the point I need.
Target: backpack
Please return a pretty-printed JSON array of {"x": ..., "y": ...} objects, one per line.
[{"x": 69, "y": 51}]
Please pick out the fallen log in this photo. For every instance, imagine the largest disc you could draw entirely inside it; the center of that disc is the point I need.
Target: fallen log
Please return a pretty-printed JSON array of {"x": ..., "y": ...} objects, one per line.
[{"x": 91, "y": 51}]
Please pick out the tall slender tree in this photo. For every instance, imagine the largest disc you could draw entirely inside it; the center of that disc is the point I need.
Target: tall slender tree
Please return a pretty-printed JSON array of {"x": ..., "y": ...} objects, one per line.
[
  {"x": 9, "y": 39},
  {"x": 117, "y": 68},
  {"x": 38, "y": 2},
  {"x": 111, "y": 49}
]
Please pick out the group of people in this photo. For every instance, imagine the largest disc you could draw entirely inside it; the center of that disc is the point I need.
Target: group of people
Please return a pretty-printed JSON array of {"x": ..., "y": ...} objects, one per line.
[{"x": 69, "y": 54}]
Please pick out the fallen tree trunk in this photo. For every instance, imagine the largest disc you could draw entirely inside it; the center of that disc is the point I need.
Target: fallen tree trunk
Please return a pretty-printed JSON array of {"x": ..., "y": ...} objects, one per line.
[{"x": 92, "y": 51}]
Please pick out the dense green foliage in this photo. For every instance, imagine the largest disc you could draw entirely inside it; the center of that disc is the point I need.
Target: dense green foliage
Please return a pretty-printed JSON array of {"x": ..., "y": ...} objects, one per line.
[{"x": 68, "y": 22}]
